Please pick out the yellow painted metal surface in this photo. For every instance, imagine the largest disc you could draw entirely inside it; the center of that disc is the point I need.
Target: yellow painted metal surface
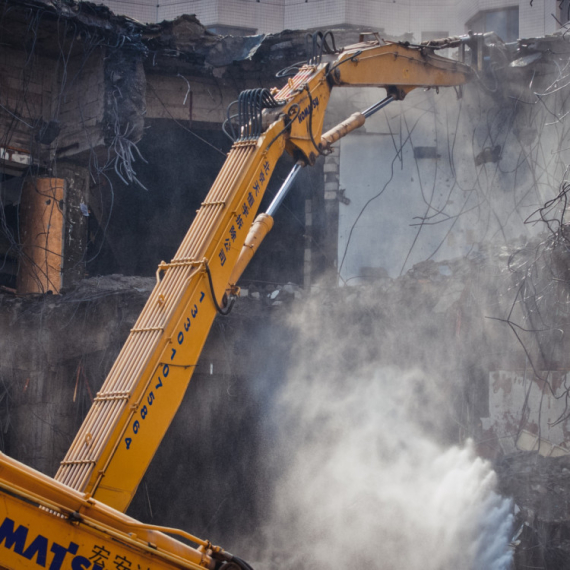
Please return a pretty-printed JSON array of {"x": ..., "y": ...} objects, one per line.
[
  {"x": 355, "y": 121},
  {"x": 44, "y": 524},
  {"x": 307, "y": 107},
  {"x": 388, "y": 65},
  {"x": 147, "y": 383},
  {"x": 33, "y": 538}
]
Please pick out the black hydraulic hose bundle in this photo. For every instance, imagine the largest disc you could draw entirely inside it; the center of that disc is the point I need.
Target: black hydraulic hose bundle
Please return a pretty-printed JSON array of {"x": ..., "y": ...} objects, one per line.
[
  {"x": 250, "y": 103},
  {"x": 317, "y": 44}
]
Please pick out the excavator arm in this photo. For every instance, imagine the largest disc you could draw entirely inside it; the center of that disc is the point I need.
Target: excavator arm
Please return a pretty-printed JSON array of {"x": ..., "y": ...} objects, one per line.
[
  {"x": 145, "y": 386},
  {"x": 76, "y": 521}
]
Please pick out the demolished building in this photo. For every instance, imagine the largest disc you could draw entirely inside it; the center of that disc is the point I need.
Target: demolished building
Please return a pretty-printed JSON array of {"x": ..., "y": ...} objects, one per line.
[
  {"x": 112, "y": 129},
  {"x": 81, "y": 88}
]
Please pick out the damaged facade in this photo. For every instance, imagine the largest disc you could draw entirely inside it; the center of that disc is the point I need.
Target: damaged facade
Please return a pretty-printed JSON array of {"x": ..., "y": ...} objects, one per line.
[
  {"x": 81, "y": 88},
  {"x": 112, "y": 130}
]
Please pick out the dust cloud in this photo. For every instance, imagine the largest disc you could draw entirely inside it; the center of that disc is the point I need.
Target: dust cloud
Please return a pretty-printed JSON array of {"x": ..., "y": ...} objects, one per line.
[{"x": 364, "y": 475}]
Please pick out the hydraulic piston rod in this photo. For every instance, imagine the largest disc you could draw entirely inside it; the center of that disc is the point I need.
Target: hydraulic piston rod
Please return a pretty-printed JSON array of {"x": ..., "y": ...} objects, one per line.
[
  {"x": 261, "y": 227},
  {"x": 285, "y": 187},
  {"x": 353, "y": 122}
]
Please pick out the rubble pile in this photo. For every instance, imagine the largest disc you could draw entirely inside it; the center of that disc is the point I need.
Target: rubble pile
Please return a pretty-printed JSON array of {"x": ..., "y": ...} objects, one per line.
[
  {"x": 540, "y": 488},
  {"x": 55, "y": 358}
]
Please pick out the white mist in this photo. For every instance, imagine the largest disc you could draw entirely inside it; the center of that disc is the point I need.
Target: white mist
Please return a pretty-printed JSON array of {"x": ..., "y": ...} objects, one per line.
[{"x": 362, "y": 484}]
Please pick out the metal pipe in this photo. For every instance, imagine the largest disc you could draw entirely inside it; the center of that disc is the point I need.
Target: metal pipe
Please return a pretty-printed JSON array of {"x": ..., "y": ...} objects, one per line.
[
  {"x": 377, "y": 106},
  {"x": 280, "y": 196},
  {"x": 260, "y": 228},
  {"x": 355, "y": 121}
]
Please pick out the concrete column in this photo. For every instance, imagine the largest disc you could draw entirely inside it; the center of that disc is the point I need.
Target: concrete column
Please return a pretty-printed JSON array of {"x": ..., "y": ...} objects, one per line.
[
  {"x": 332, "y": 191},
  {"x": 53, "y": 231},
  {"x": 41, "y": 236},
  {"x": 76, "y": 222}
]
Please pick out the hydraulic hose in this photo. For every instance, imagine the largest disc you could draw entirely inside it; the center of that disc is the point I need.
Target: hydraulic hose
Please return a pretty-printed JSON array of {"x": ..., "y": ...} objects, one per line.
[
  {"x": 241, "y": 563},
  {"x": 232, "y": 562}
]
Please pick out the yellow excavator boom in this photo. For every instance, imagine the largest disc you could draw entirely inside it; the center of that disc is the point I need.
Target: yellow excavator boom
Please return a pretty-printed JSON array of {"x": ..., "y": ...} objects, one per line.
[
  {"x": 76, "y": 520},
  {"x": 144, "y": 388}
]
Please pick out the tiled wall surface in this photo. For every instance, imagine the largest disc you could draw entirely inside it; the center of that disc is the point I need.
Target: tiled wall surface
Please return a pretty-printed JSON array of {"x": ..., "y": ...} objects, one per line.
[
  {"x": 266, "y": 16},
  {"x": 396, "y": 17},
  {"x": 141, "y": 10},
  {"x": 206, "y": 10},
  {"x": 170, "y": 9},
  {"x": 466, "y": 9},
  {"x": 315, "y": 13},
  {"x": 537, "y": 20}
]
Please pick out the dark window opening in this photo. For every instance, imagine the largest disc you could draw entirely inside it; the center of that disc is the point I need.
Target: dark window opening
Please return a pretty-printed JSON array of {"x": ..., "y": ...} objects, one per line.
[
  {"x": 10, "y": 190},
  {"x": 146, "y": 227},
  {"x": 426, "y": 152}
]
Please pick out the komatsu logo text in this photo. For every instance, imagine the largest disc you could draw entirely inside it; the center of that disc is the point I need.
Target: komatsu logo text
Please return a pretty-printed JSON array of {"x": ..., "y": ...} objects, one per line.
[
  {"x": 46, "y": 555},
  {"x": 307, "y": 110}
]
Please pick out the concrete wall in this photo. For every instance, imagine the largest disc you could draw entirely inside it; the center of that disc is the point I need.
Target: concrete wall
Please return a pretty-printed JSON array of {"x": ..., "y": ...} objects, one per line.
[
  {"x": 81, "y": 106},
  {"x": 50, "y": 108},
  {"x": 28, "y": 85},
  {"x": 188, "y": 98}
]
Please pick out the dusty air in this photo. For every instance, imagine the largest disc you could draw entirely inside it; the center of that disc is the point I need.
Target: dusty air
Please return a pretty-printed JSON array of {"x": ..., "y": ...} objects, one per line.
[{"x": 284, "y": 285}]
